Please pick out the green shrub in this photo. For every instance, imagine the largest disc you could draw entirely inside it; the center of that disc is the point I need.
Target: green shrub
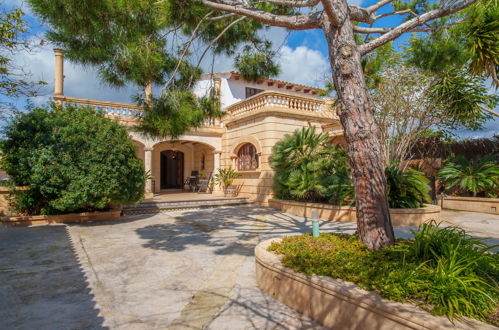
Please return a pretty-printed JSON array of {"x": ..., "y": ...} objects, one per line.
[
  {"x": 442, "y": 270},
  {"x": 406, "y": 189},
  {"x": 71, "y": 160},
  {"x": 308, "y": 168},
  {"x": 472, "y": 175}
]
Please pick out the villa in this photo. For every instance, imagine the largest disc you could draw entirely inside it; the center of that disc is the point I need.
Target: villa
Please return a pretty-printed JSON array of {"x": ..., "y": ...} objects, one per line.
[{"x": 257, "y": 116}]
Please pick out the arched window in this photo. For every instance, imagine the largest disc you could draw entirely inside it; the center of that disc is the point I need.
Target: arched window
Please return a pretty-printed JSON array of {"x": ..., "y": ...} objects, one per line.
[{"x": 247, "y": 158}]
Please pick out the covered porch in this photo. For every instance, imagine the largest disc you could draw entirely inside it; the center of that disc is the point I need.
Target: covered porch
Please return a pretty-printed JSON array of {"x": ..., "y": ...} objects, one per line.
[{"x": 177, "y": 168}]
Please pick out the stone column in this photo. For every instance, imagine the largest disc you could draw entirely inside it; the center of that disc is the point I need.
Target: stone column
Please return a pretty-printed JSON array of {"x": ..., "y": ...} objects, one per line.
[
  {"x": 216, "y": 165},
  {"x": 217, "y": 87},
  {"x": 148, "y": 168},
  {"x": 59, "y": 72},
  {"x": 148, "y": 92}
]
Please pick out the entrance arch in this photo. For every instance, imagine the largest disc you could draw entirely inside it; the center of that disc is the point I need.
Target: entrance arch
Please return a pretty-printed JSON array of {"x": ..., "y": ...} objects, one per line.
[{"x": 171, "y": 169}]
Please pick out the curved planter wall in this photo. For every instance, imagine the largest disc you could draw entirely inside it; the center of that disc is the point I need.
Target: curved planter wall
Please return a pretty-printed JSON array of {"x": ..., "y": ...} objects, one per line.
[
  {"x": 400, "y": 217},
  {"x": 342, "y": 305},
  {"x": 472, "y": 204}
]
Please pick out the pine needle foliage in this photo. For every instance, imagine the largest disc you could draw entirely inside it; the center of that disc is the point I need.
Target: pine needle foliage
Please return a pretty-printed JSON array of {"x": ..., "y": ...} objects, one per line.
[
  {"x": 175, "y": 112},
  {"x": 254, "y": 66}
]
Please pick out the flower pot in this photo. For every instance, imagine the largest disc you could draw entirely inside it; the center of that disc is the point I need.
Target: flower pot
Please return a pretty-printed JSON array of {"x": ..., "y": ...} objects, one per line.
[{"x": 230, "y": 191}]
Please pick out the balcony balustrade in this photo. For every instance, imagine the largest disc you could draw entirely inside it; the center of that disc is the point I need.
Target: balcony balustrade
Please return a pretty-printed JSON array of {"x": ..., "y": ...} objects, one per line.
[{"x": 281, "y": 101}]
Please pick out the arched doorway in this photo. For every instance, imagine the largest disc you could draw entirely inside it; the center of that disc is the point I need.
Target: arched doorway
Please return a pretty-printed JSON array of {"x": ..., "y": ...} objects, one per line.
[{"x": 172, "y": 169}]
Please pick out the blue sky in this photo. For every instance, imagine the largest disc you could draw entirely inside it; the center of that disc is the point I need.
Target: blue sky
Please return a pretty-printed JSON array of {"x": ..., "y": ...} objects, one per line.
[{"x": 303, "y": 59}]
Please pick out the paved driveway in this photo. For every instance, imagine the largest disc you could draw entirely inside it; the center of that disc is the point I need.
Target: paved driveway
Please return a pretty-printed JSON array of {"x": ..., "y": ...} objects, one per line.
[{"x": 184, "y": 270}]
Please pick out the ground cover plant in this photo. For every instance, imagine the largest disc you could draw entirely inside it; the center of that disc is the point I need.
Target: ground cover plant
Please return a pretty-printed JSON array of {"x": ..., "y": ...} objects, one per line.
[
  {"x": 443, "y": 270},
  {"x": 72, "y": 160}
]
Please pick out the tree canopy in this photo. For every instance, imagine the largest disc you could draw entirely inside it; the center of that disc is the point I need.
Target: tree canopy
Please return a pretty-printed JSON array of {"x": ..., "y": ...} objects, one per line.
[{"x": 14, "y": 80}]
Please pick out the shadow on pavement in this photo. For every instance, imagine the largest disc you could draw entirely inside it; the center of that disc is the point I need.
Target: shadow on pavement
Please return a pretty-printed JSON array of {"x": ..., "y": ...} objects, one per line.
[{"x": 42, "y": 285}]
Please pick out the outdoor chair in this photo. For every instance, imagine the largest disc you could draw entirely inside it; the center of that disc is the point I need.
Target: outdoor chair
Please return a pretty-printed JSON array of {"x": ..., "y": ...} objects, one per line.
[
  {"x": 205, "y": 183},
  {"x": 192, "y": 180}
]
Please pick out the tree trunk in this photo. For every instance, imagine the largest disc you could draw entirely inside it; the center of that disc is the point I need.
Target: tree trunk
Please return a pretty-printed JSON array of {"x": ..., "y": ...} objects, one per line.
[{"x": 361, "y": 132}]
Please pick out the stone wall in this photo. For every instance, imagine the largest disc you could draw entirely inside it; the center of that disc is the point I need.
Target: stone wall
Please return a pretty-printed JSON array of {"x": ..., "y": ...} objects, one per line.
[
  {"x": 399, "y": 217},
  {"x": 472, "y": 204},
  {"x": 263, "y": 132}
]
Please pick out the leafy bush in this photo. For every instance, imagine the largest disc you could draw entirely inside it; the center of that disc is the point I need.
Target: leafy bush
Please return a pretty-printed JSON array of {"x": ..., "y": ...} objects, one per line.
[
  {"x": 442, "y": 270},
  {"x": 472, "y": 176},
  {"x": 406, "y": 189},
  {"x": 308, "y": 168},
  {"x": 71, "y": 160}
]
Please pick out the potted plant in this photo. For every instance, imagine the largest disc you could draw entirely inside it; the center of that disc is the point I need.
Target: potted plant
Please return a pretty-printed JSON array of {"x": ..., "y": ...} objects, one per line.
[{"x": 224, "y": 178}]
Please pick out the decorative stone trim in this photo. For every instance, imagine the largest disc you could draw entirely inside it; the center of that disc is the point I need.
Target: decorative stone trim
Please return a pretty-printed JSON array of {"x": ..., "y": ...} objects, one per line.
[
  {"x": 37, "y": 220},
  {"x": 472, "y": 204},
  {"x": 400, "y": 217},
  {"x": 338, "y": 304}
]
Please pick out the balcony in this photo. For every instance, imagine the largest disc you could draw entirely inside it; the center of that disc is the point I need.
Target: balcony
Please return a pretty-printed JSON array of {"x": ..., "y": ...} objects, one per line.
[
  {"x": 282, "y": 103},
  {"x": 126, "y": 114}
]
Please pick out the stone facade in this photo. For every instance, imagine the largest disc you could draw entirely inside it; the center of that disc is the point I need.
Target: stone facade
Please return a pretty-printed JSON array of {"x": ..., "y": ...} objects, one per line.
[{"x": 257, "y": 113}]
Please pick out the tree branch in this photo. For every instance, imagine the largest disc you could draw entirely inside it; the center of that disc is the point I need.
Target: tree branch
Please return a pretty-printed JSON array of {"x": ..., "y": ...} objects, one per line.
[
  {"x": 488, "y": 110},
  {"x": 221, "y": 17},
  {"x": 411, "y": 24},
  {"x": 295, "y": 4},
  {"x": 212, "y": 43},
  {"x": 371, "y": 30},
  {"x": 186, "y": 47},
  {"x": 378, "y": 5},
  {"x": 293, "y": 22}
]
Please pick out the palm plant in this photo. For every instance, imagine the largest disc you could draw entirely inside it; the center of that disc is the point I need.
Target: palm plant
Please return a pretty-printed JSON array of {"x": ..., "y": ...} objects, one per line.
[
  {"x": 471, "y": 176},
  {"x": 308, "y": 168},
  {"x": 226, "y": 176},
  {"x": 406, "y": 189}
]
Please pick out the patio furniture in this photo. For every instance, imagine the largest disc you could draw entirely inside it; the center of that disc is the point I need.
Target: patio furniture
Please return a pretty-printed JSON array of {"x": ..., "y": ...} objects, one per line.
[
  {"x": 205, "y": 183},
  {"x": 192, "y": 180}
]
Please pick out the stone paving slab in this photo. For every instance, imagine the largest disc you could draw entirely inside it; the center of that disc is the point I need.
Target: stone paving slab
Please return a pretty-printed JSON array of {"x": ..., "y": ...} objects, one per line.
[{"x": 188, "y": 269}]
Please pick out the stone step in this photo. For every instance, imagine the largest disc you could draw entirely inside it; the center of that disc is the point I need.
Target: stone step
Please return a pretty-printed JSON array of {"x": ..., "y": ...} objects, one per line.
[{"x": 165, "y": 206}]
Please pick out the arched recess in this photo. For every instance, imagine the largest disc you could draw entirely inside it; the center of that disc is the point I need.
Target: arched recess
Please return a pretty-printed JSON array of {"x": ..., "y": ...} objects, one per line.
[
  {"x": 238, "y": 144},
  {"x": 192, "y": 152},
  {"x": 242, "y": 141},
  {"x": 139, "y": 152}
]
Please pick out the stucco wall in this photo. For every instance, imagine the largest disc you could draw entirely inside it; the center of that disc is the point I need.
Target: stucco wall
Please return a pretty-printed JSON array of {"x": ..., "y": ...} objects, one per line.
[
  {"x": 265, "y": 132},
  {"x": 232, "y": 91}
]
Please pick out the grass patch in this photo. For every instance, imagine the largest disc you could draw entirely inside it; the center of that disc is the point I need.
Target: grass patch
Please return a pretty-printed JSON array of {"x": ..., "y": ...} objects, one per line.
[{"x": 443, "y": 270}]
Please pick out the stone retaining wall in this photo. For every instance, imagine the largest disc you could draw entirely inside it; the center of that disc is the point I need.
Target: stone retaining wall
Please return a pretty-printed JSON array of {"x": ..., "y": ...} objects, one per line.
[
  {"x": 338, "y": 304},
  {"x": 400, "y": 217},
  {"x": 473, "y": 204},
  {"x": 36, "y": 220}
]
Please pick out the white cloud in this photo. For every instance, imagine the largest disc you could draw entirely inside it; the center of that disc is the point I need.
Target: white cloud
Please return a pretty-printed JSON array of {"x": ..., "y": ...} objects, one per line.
[
  {"x": 79, "y": 81},
  {"x": 303, "y": 65}
]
